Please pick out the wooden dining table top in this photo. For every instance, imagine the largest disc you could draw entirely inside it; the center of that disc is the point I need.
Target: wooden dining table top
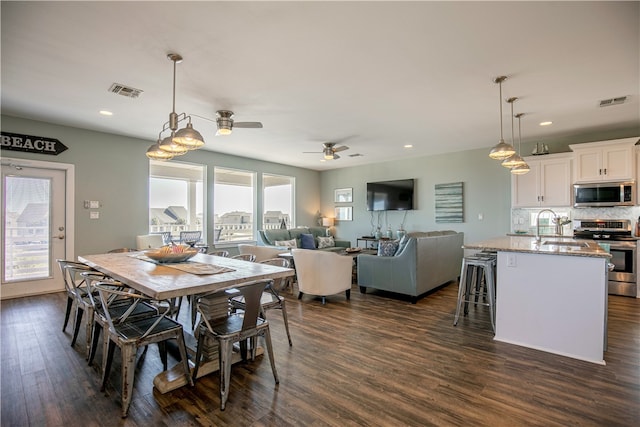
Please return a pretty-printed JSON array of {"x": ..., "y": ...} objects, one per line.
[{"x": 161, "y": 281}]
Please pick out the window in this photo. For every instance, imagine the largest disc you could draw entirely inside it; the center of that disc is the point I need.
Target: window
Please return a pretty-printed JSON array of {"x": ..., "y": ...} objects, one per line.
[
  {"x": 176, "y": 198},
  {"x": 233, "y": 205},
  {"x": 277, "y": 201}
]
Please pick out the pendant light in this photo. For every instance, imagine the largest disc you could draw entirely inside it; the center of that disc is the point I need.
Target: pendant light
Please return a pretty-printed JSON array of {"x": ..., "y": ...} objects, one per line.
[
  {"x": 515, "y": 159},
  {"x": 501, "y": 150},
  {"x": 155, "y": 153},
  {"x": 180, "y": 141},
  {"x": 524, "y": 167}
]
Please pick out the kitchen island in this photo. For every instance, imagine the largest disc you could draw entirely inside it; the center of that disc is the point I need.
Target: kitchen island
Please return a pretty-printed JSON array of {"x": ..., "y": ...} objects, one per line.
[{"x": 551, "y": 295}]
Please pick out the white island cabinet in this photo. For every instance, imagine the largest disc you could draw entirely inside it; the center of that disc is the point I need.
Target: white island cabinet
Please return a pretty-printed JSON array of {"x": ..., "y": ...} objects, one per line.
[{"x": 551, "y": 297}]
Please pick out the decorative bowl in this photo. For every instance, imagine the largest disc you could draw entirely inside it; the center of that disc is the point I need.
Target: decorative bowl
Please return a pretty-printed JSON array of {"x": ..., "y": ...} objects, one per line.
[
  {"x": 351, "y": 250},
  {"x": 165, "y": 256}
]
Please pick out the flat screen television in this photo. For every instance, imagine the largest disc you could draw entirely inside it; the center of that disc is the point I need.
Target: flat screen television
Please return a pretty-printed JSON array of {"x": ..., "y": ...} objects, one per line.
[{"x": 390, "y": 195}]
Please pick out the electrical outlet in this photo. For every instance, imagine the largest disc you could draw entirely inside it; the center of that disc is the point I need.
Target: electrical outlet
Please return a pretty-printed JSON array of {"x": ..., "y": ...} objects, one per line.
[
  {"x": 511, "y": 260},
  {"x": 480, "y": 217}
]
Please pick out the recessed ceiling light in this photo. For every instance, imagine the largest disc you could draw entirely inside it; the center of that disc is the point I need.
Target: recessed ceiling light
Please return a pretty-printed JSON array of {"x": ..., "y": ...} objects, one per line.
[
  {"x": 545, "y": 123},
  {"x": 322, "y": 160},
  {"x": 106, "y": 113},
  {"x": 408, "y": 146}
]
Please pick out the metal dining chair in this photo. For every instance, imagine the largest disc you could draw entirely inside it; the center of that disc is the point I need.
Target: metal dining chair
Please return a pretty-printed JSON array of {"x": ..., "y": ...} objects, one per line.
[
  {"x": 270, "y": 298},
  {"x": 190, "y": 237},
  {"x": 245, "y": 257},
  {"x": 72, "y": 285},
  {"x": 236, "y": 327},
  {"x": 221, "y": 253},
  {"x": 131, "y": 333}
]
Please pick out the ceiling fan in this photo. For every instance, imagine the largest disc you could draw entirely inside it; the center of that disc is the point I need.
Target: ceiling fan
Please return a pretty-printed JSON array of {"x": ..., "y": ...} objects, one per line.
[
  {"x": 329, "y": 150},
  {"x": 224, "y": 121}
]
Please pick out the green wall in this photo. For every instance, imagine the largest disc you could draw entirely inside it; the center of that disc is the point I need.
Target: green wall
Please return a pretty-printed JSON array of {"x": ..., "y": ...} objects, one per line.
[
  {"x": 114, "y": 170},
  {"x": 486, "y": 191}
]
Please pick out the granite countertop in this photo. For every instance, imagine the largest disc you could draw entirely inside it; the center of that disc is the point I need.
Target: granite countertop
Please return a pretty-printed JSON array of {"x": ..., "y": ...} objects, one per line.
[{"x": 527, "y": 244}]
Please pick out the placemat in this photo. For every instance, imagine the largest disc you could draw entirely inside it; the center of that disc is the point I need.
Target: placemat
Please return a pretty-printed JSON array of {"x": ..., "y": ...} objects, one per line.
[{"x": 192, "y": 267}]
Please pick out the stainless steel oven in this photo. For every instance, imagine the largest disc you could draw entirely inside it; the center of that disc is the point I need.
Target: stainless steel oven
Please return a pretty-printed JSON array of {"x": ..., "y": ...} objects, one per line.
[{"x": 616, "y": 236}]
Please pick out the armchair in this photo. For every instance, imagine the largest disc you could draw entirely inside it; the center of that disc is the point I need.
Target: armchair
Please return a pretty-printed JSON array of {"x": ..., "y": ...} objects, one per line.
[{"x": 322, "y": 273}]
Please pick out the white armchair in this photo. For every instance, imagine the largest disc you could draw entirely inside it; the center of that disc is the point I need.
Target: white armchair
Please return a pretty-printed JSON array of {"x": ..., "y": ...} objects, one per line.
[
  {"x": 322, "y": 273},
  {"x": 149, "y": 241}
]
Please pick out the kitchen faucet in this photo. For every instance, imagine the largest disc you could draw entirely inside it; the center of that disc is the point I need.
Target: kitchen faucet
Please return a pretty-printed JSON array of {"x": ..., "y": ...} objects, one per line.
[{"x": 555, "y": 217}]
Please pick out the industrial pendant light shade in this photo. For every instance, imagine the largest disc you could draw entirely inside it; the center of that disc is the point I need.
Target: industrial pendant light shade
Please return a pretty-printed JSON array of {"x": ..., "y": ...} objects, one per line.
[
  {"x": 189, "y": 137},
  {"x": 515, "y": 159},
  {"x": 168, "y": 144},
  {"x": 501, "y": 150},
  {"x": 155, "y": 153},
  {"x": 522, "y": 168}
]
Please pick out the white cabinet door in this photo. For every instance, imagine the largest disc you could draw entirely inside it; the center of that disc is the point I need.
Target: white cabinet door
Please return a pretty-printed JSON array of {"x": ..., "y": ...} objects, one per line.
[
  {"x": 605, "y": 160},
  {"x": 547, "y": 184},
  {"x": 525, "y": 191},
  {"x": 555, "y": 182}
]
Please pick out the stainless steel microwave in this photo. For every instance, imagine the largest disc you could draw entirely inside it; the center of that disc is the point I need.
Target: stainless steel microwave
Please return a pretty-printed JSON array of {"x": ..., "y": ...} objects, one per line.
[{"x": 604, "y": 194}]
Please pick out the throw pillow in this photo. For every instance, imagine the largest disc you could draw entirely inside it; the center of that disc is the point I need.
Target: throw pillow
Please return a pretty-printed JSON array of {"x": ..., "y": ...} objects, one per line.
[
  {"x": 325, "y": 242},
  {"x": 307, "y": 241},
  {"x": 387, "y": 247},
  {"x": 286, "y": 243}
]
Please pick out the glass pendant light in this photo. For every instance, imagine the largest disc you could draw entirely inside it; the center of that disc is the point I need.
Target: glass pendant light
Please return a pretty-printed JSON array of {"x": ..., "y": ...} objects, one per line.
[
  {"x": 524, "y": 167},
  {"x": 501, "y": 150},
  {"x": 515, "y": 159}
]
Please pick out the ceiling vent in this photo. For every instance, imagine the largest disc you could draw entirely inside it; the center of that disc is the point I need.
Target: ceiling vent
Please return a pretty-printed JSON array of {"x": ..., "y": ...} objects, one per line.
[
  {"x": 129, "y": 92},
  {"x": 613, "y": 101}
]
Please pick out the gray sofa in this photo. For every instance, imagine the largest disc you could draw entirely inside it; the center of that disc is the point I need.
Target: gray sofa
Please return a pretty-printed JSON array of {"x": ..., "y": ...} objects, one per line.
[
  {"x": 424, "y": 261},
  {"x": 269, "y": 237}
]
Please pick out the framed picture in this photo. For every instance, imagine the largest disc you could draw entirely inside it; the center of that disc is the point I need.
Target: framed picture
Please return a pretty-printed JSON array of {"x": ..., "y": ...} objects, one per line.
[
  {"x": 343, "y": 195},
  {"x": 344, "y": 213}
]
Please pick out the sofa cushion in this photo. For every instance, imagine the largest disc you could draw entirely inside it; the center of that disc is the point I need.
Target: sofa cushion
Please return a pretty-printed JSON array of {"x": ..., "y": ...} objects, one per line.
[
  {"x": 307, "y": 241},
  {"x": 318, "y": 231},
  {"x": 387, "y": 247},
  {"x": 287, "y": 243},
  {"x": 276, "y": 234},
  {"x": 325, "y": 242}
]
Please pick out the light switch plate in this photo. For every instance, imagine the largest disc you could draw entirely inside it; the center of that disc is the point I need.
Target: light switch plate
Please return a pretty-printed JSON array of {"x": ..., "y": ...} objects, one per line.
[
  {"x": 94, "y": 204},
  {"x": 94, "y": 215}
]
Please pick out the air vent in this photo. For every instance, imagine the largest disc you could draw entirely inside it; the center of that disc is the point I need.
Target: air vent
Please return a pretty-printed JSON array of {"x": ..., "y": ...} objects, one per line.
[
  {"x": 356, "y": 155},
  {"x": 123, "y": 90},
  {"x": 613, "y": 101}
]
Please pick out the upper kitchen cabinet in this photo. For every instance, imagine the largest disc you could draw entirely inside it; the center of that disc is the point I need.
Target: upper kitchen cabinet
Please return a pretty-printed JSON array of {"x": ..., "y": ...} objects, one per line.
[
  {"x": 605, "y": 160},
  {"x": 547, "y": 184}
]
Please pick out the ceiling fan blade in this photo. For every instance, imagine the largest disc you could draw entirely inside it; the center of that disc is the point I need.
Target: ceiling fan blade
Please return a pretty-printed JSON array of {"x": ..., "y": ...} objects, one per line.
[
  {"x": 312, "y": 152},
  {"x": 337, "y": 149},
  {"x": 335, "y": 156},
  {"x": 254, "y": 125}
]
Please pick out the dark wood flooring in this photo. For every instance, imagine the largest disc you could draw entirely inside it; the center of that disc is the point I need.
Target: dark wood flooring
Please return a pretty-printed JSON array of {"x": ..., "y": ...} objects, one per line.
[{"x": 374, "y": 361}]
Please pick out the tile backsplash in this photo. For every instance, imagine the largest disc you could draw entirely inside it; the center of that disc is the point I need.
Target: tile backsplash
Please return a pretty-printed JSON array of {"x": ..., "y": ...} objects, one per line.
[{"x": 521, "y": 218}]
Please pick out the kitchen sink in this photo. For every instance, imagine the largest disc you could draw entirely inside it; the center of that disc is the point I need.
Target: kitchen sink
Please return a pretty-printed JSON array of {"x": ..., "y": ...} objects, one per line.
[{"x": 565, "y": 243}]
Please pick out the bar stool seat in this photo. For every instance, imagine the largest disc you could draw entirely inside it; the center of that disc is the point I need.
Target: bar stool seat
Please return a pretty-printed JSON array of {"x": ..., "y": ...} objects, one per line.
[{"x": 477, "y": 278}]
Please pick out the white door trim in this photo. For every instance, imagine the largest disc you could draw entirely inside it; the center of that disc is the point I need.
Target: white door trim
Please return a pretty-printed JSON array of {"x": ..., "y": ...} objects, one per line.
[{"x": 69, "y": 185}]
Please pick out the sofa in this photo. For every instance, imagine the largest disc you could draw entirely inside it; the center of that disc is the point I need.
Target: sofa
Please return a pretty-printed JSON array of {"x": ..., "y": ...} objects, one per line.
[
  {"x": 422, "y": 262},
  {"x": 270, "y": 237}
]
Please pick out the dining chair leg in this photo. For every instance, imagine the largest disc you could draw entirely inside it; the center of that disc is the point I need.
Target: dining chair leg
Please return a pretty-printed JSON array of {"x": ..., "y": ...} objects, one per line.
[
  {"x": 283, "y": 308},
  {"x": 110, "y": 348},
  {"x": 128, "y": 374},
  {"x": 194, "y": 374},
  {"x": 76, "y": 326},
  {"x": 225, "y": 351},
  {"x": 162, "y": 347},
  {"x": 67, "y": 313},
  {"x": 267, "y": 339},
  {"x": 89, "y": 329},
  {"x": 95, "y": 338},
  {"x": 183, "y": 355}
]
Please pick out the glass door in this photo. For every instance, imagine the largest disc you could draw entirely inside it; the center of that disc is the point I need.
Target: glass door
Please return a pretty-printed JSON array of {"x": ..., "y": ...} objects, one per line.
[{"x": 33, "y": 230}]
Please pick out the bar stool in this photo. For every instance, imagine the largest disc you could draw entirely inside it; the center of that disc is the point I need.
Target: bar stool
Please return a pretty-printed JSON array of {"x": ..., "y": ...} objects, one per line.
[{"x": 478, "y": 277}]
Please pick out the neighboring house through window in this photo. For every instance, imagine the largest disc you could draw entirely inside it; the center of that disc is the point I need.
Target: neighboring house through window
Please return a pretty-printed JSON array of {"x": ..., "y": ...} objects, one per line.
[
  {"x": 233, "y": 205},
  {"x": 277, "y": 201}
]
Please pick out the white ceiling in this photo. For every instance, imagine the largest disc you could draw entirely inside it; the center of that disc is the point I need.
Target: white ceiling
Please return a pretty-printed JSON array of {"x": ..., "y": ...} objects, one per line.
[{"x": 371, "y": 75}]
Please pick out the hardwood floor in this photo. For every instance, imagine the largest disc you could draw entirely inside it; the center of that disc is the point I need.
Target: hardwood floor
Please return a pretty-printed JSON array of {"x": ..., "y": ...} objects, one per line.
[{"x": 374, "y": 361}]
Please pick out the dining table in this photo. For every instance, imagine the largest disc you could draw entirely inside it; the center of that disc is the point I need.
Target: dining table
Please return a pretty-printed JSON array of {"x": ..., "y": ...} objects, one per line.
[{"x": 211, "y": 277}]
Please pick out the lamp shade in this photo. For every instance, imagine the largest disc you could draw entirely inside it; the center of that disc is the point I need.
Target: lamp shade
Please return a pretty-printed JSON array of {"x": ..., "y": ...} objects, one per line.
[
  {"x": 513, "y": 161},
  {"x": 155, "y": 153},
  {"x": 169, "y": 146},
  {"x": 189, "y": 137},
  {"x": 521, "y": 169},
  {"x": 502, "y": 150},
  {"x": 327, "y": 222}
]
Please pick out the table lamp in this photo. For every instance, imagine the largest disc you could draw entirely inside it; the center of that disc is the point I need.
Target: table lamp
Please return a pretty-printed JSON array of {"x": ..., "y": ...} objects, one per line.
[{"x": 327, "y": 222}]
